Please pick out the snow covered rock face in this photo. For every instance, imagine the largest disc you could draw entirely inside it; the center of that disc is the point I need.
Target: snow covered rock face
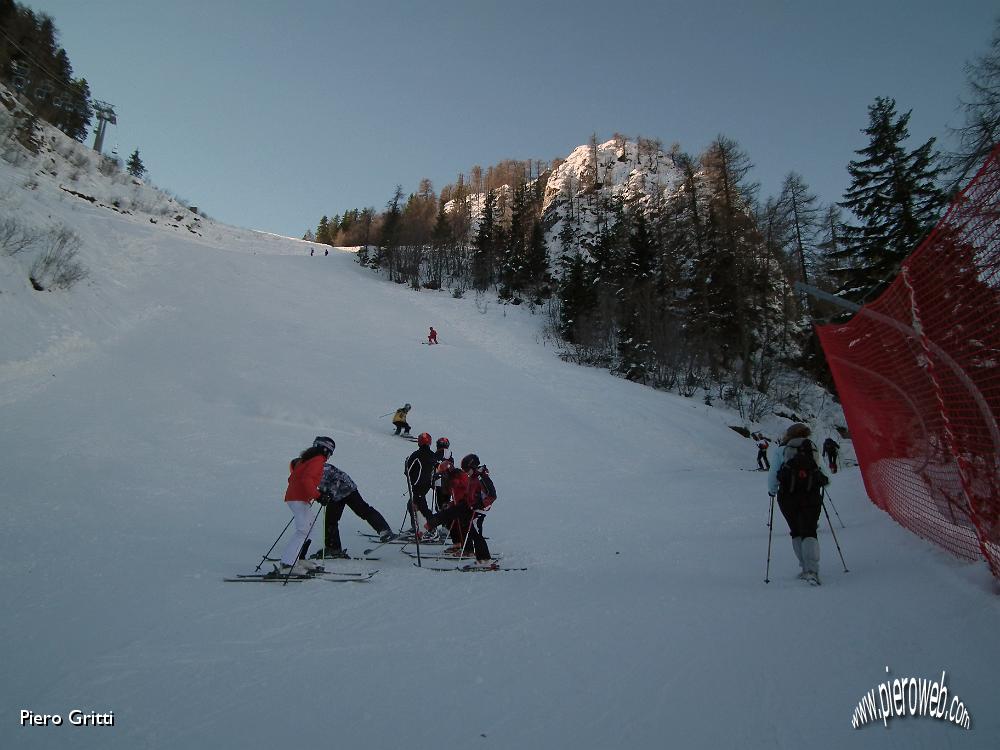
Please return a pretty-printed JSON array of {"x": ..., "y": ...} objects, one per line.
[
  {"x": 585, "y": 183},
  {"x": 630, "y": 169}
]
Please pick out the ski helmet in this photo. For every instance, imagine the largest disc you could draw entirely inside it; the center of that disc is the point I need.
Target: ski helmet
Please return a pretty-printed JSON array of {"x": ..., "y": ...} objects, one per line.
[
  {"x": 443, "y": 442},
  {"x": 407, "y": 407},
  {"x": 326, "y": 443},
  {"x": 424, "y": 438},
  {"x": 470, "y": 462}
]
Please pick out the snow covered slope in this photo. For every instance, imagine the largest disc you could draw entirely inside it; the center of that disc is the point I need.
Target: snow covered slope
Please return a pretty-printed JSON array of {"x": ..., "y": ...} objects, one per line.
[{"x": 147, "y": 416}]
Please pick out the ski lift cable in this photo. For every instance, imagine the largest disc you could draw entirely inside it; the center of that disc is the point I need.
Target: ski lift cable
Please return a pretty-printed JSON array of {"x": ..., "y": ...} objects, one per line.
[{"x": 56, "y": 79}]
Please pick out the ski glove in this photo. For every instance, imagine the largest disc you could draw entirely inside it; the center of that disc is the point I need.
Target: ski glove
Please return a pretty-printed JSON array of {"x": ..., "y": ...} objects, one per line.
[{"x": 324, "y": 498}]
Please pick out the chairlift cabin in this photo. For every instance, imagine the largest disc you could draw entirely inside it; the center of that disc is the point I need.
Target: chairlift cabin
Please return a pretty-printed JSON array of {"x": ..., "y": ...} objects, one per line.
[{"x": 19, "y": 75}]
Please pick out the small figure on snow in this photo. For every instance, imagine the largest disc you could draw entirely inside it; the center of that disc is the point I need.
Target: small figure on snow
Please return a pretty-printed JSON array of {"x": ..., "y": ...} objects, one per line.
[
  {"x": 419, "y": 471},
  {"x": 830, "y": 450},
  {"x": 473, "y": 492},
  {"x": 338, "y": 490},
  {"x": 305, "y": 474},
  {"x": 432, "y": 337},
  {"x": 399, "y": 420},
  {"x": 797, "y": 480},
  {"x": 762, "y": 445}
]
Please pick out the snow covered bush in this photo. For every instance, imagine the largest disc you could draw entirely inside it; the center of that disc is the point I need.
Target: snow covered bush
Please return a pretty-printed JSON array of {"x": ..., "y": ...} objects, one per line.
[
  {"x": 15, "y": 237},
  {"x": 57, "y": 267}
]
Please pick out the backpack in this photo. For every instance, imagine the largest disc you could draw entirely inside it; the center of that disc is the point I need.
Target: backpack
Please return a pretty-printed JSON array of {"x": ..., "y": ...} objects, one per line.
[{"x": 800, "y": 477}]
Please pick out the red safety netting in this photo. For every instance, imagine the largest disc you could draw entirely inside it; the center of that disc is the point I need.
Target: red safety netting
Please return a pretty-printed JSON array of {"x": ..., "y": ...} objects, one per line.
[{"x": 918, "y": 372}]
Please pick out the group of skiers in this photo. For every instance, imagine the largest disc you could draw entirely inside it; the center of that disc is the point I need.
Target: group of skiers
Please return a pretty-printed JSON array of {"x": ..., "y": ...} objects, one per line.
[
  {"x": 461, "y": 498},
  {"x": 830, "y": 450},
  {"x": 463, "y": 494}
]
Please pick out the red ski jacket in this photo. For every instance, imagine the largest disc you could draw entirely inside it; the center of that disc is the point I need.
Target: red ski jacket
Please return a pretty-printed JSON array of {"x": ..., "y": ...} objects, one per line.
[
  {"x": 304, "y": 479},
  {"x": 471, "y": 491}
]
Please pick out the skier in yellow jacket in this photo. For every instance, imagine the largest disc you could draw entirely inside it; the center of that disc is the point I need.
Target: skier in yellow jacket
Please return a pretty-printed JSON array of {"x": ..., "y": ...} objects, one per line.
[{"x": 399, "y": 420}]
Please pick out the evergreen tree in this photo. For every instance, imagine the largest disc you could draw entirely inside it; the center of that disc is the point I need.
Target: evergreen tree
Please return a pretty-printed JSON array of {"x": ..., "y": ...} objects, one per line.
[
  {"x": 442, "y": 244},
  {"x": 637, "y": 316},
  {"x": 577, "y": 300},
  {"x": 733, "y": 264},
  {"x": 391, "y": 231},
  {"x": 798, "y": 209},
  {"x": 135, "y": 166},
  {"x": 32, "y": 62},
  {"x": 895, "y": 199},
  {"x": 515, "y": 248},
  {"x": 484, "y": 245},
  {"x": 323, "y": 231},
  {"x": 536, "y": 262}
]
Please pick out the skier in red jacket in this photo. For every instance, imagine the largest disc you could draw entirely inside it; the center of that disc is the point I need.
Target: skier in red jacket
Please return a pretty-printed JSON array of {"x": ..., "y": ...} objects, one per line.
[
  {"x": 305, "y": 474},
  {"x": 472, "y": 492},
  {"x": 432, "y": 337}
]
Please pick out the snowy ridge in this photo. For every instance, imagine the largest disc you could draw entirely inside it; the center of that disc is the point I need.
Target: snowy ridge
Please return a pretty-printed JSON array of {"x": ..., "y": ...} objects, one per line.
[
  {"x": 148, "y": 415},
  {"x": 623, "y": 167}
]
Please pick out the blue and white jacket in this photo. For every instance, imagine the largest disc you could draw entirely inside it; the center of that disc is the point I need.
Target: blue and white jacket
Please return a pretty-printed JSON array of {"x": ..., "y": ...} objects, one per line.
[{"x": 336, "y": 483}]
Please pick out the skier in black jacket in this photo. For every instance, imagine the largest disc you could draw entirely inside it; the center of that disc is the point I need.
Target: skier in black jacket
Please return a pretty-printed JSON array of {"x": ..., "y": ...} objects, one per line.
[
  {"x": 830, "y": 449},
  {"x": 419, "y": 470}
]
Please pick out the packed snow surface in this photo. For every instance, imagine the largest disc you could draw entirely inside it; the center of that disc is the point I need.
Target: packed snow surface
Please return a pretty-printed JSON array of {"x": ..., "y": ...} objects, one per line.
[{"x": 147, "y": 417}]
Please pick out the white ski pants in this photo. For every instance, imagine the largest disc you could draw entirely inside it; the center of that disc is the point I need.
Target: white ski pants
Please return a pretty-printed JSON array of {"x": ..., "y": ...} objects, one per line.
[{"x": 303, "y": 520}]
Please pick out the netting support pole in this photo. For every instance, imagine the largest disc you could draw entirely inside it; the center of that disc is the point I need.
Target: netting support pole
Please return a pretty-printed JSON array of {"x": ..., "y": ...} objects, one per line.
[{"x": 976, "y": 394}]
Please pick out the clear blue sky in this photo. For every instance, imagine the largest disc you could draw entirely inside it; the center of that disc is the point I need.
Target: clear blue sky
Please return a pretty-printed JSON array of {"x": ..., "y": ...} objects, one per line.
[{"x": 270, "y": 114}]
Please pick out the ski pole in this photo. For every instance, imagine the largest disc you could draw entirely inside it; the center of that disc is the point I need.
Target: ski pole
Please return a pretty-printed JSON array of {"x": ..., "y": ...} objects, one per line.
[
  {"x": 835, "y": 538},
  {"x": 413, "y": 518},
  {"x": 453, "y": 533},
  {"x": 465, "y": 542},
  {"x": 274, "y": 545},
  {"x": 770, "y": 525},
  {"x": 376, "y": 547},
  {"x": 826, "y": 496},
  {"x": 402, "y": 522},
  {"x": 308, "y": 534},
  {"x": 386, "y": 415},
  {"x": 380, "y": 545}
]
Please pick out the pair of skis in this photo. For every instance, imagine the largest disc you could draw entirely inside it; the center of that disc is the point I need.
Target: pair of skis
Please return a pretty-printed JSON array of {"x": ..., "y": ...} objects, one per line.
[
  {"x": 403, "y": 539},
  {"x": 329, "y": 577},
  {"x": 494, "y": 568}
]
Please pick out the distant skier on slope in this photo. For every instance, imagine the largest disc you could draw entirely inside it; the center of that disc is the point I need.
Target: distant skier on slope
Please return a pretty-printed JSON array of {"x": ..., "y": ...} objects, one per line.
[
  {"x": 338, "y": 490},
  {"x": 473, "y": 492},
  {"x": 830, "y": 450},
  {"x": 762, "y": 445},
  {"x": 399, "y": 420},
  {"x": 797, "y": 479},
  {"x": 432, "y": 337},
  {"x": 419, "y": 471}
]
